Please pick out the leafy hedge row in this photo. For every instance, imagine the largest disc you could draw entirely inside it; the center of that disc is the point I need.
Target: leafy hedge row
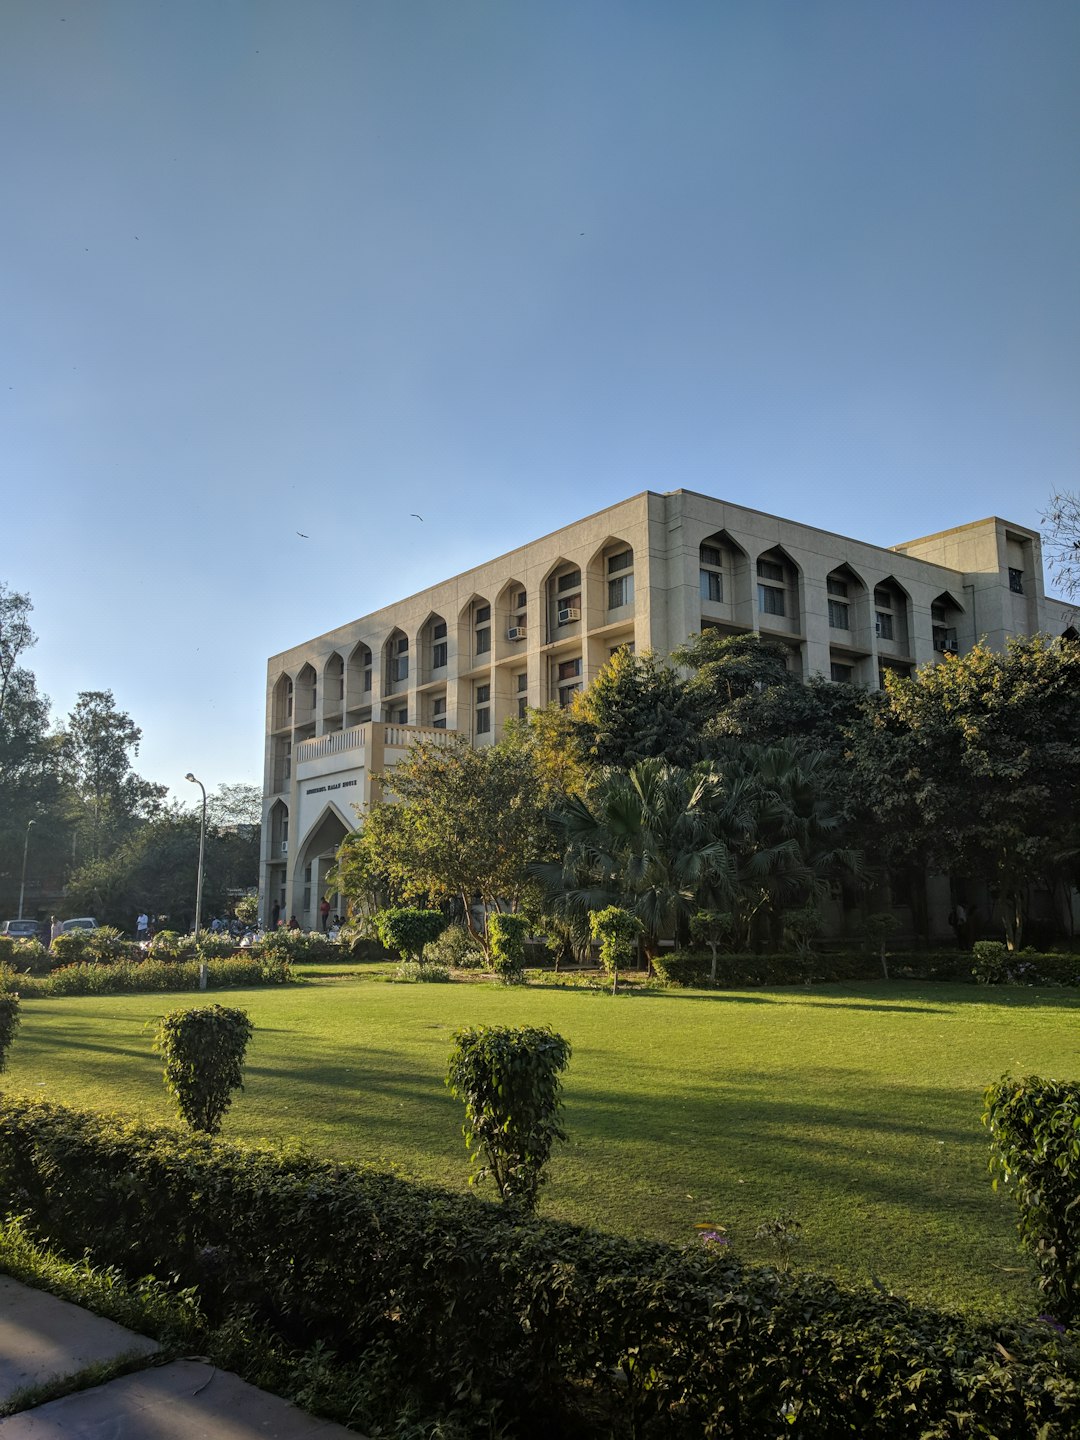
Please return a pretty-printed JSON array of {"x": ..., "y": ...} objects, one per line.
[
  {"x": 691, "y": 967},
  {"x": 126, "y": 976},
  {"x": 550, "y": 1328},
  {"x": 1035, "y": 1148}
]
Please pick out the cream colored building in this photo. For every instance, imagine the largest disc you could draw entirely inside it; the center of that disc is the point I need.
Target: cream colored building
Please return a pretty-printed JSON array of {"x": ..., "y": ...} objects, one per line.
[{"x": 536, "y": 625}]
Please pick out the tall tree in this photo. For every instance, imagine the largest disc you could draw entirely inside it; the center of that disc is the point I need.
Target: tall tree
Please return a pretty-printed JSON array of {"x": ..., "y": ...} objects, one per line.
[
  {"x": 111, "y": 799},
  {"x": 30, "y": 788},
  {"x": 465, "y": 824},
  {"x": 637, "y": 708},
  {"x": 975, "y": 765}
]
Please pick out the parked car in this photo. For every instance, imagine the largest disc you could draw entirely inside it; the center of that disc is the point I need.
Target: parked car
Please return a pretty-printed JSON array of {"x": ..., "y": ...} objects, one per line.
[
  {"x": 84, "y": 922},
  {"x": 23, "y": 929}
]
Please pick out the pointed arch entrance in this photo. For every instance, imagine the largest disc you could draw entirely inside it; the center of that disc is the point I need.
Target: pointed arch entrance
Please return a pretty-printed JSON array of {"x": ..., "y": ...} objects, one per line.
[{"x": 313, "y": 864}]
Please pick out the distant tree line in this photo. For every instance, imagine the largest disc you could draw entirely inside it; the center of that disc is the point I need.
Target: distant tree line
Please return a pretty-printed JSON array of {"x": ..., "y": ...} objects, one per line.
[{"x": 104, "y": 841}]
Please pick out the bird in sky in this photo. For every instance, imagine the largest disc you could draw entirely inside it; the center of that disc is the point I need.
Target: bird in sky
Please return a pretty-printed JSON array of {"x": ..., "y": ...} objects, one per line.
[
  {"x": 302, "y": 535},
  {"x": 417, "y": 517}
]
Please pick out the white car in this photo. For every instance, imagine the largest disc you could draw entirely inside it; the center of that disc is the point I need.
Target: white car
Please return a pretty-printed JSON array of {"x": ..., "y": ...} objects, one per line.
[{"x": 84, "y": 922}]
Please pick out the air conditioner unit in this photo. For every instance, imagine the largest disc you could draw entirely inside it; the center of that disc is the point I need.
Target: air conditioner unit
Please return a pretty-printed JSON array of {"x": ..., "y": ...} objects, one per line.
[
  {"x": 565, "y": 616},
  {"x": 516, "y": 632},
  {"x": 284, "y": 847}
]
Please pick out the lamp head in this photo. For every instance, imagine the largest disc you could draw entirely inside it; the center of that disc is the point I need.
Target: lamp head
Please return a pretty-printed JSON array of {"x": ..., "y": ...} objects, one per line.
[{"x": 191, "y": 777}]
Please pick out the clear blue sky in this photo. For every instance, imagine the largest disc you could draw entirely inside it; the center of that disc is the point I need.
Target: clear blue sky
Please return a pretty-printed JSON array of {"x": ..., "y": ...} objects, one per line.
[{"x": 271, "y": 267}]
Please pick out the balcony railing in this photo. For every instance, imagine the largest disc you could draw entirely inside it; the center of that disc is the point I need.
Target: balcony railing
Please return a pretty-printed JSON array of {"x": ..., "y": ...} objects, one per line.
[
  {"x": 355, "y": 738},
  {"x": 396, "y": 735}
]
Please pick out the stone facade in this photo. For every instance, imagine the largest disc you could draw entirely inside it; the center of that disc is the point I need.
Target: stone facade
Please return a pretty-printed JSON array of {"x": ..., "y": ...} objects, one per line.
[{"x": 536, "y": 625}]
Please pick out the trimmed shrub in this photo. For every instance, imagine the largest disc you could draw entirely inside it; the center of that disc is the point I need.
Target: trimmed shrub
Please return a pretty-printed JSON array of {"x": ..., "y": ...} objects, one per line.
[
  {"x": 990, "y": 962},
  {"x": 617, "y": 931},
  {"x": 1034, "y": 1125},
  {"x": 509, "y": 1082},
  {"x": 684, "y": 967},
  {"x": 204, "y": 1061},
  {"x": 9, "y": 1023},
  {"x": 408, "y": 931},
  {"x": 506, "y": 936},
  {"x": 562, "y": 1331}
]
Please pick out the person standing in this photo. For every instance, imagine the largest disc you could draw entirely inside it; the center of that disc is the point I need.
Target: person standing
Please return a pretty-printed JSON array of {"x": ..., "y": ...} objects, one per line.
[
  {"x": 324, "y": 913},
  {"x": 275, "y": 916}
]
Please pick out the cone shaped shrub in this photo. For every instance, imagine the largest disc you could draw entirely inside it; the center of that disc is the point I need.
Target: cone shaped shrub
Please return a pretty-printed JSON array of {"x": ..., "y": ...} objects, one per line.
[{"x": 204, "y": 1061}]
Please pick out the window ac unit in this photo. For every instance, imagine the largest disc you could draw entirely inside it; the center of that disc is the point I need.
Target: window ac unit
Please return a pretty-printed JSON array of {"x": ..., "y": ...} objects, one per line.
[
  {"x": 284, "y": 847},
  {"x": 516, "y": 632},
  {"x": 565, "y": 616}
]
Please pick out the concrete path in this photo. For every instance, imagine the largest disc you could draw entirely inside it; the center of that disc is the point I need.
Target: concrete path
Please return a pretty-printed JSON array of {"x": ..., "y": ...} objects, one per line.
[{"x": 45, "y": 1340}]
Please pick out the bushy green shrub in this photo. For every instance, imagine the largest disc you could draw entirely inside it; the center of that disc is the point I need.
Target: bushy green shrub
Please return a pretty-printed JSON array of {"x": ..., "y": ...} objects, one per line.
[
  {"x": 415, "y": 972},
  {"x": 9, "y": 1023},
  {"x": 618, "y": 932},
  {"x": 1034, "y": 1127},
  {"x": 302, "y": 947},
  {"x": 7, "y": 950},
  {"x": 107, "y": 944},
  {"x": 508, "y": 1081},
  {"x": 71, "y": 947},
  {"x": 170, "y": 945},
  {"x": 456, "y": 949},
  {"x": 215, "y": 947},
  {"x": 506, "y": 936},
  {"x": 408, "y": 931},
  {"x": 564, "y": 1330},
  {"x": 32, "y": 957},
  {"x": 204, "y": 1052},
  {"x": 990, "y": 962}
]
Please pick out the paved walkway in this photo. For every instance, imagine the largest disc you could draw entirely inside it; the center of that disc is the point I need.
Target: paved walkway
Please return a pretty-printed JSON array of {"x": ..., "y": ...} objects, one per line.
[{"x": 44, "y": 1340}]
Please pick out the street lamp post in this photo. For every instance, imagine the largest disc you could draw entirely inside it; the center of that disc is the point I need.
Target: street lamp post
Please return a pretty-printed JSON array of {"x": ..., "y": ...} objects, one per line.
[
  {"x": 198, "y": 888},
  {"x": 22, "y": 886}
]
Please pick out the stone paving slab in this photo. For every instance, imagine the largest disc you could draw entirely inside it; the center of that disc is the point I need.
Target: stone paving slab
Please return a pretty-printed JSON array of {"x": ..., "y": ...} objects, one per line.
[
  {"x": 186, "y": 1400},
  {"x": 43, "y": 1338}
]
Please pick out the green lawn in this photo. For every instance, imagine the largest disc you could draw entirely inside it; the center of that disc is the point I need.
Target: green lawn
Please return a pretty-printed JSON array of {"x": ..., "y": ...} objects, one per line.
[{"x": 855, "y": 1107}]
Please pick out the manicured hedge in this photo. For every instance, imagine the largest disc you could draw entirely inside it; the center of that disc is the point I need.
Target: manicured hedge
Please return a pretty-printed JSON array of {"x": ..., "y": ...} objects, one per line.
[
  {"x": 693, "y": 967},
  {"x": 564, "y": 1331},
  {"x": 125, "y": 976}
]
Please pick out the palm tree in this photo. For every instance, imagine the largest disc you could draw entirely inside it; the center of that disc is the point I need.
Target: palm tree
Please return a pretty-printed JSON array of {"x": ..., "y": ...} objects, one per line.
[
  {"x": 754, "y": 834},
  {"x": 790, "y": 853},
  {"x": 650, "y": 840}
]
